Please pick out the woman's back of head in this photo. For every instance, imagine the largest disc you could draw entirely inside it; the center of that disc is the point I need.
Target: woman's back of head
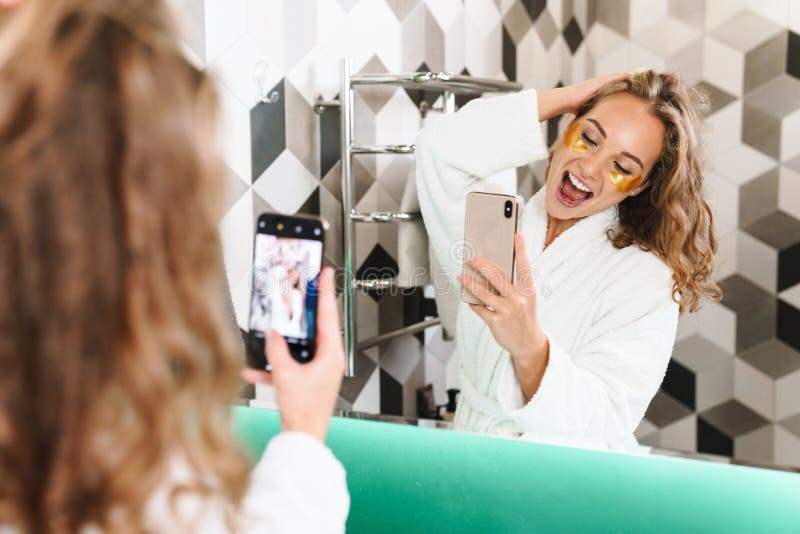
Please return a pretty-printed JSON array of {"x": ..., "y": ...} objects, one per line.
[{"x": 114, "y": 354}]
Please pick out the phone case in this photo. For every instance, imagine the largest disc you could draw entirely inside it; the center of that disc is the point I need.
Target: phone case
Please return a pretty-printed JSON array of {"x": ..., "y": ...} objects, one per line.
[{"x": 488, "y": 233}]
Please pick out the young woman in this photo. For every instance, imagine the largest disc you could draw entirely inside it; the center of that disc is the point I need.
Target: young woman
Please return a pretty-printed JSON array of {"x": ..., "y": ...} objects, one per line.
[
  {"x": 618, "y": 242},
  {"x": 117, "y": 356}
]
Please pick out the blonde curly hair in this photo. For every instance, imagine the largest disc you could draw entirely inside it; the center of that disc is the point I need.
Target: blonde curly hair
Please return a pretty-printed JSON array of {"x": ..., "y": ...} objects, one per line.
[
  {"x": 671, "y": 217},
  {"x": 116, "y": 356}
]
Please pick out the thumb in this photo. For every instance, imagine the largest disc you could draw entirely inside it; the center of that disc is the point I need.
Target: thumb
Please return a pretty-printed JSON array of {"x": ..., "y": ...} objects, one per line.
[
  {"x": 327, "y": 313},
  {"x": 524, "y": 275},
  {"x": 277, "y": 351},
  {"x": 329, "y": 343}
]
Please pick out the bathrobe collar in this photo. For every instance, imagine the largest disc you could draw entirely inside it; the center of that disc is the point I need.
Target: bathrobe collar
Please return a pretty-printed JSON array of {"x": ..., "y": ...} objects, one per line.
[{"x": 574, "y": 238}]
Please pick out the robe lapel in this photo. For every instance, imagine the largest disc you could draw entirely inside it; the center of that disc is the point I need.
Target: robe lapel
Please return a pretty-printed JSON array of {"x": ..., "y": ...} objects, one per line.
[{"x": 567, "y": 245}]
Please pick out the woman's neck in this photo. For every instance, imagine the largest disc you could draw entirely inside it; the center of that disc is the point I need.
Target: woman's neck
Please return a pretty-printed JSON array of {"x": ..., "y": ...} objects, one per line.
[{"x": 555, "y": 227}]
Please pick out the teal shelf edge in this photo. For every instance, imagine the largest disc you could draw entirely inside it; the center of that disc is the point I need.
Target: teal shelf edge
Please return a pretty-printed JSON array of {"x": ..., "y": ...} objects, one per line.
[{"x": 409, "y": 479}]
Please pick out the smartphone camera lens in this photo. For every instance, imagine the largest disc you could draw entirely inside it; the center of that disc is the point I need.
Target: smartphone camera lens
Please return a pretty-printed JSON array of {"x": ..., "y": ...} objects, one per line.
[{"x": 509, "y": 209}]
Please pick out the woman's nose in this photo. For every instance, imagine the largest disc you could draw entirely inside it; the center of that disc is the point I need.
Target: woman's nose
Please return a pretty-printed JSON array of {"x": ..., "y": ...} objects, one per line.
[{"x": 591, "y": 168}]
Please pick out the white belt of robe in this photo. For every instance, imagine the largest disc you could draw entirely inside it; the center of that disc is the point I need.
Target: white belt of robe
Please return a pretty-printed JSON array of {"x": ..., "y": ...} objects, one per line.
[{"x": 477, "y": 400}]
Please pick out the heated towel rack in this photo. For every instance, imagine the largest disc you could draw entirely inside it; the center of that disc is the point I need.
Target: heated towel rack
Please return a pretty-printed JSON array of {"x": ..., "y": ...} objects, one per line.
[{"x": 450, "y": 85}]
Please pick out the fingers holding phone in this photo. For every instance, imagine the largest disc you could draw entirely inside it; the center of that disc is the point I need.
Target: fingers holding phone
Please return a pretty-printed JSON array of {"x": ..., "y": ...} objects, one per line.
[
  {"x": 294, "y": 340},
  {"x": 307, "y": 392}
]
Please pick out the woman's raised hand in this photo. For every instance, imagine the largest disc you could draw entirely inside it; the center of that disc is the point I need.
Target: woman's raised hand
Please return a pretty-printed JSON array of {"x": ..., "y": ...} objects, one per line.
[
  {"x": 578, "y": 93},
  {"x": 306, "y": 393},
  {"x": 568, "y": 99}
]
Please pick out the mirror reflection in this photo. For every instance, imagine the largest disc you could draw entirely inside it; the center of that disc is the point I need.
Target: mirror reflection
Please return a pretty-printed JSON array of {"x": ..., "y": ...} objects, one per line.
[{"x": 631, "y": 312}]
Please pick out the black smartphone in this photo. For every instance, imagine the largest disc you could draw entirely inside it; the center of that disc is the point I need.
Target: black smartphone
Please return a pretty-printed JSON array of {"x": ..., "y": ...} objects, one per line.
[{"x": 287, "y": 260}]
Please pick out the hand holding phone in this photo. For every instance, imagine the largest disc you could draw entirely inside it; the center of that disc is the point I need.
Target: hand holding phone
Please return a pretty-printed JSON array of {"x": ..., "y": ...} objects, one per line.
[{"x": 306, "y": 393}]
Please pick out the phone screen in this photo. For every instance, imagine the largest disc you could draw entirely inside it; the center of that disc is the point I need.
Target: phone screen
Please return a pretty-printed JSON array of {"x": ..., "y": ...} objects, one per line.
[{"x": 284, "y": 294}]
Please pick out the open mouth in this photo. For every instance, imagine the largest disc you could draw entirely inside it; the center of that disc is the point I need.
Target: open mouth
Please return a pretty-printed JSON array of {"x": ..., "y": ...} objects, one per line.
[{"x": 570, "y": 191}]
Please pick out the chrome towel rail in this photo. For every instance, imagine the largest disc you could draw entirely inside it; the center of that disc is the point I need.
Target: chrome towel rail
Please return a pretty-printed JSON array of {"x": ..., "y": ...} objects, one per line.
[
  {"x": 385, "y": 217},
  {"x": 450, "y": 85},
  {"x": 438, "y": 81},
  {"x": 411, "y": 329},
  {"x": 374, "y": 284},
  {"x": 382, "y": 149}
]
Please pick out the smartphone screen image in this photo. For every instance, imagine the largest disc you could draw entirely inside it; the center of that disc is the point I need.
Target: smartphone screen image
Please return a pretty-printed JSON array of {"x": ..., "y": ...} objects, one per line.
[{"x": 287, "y": 259}]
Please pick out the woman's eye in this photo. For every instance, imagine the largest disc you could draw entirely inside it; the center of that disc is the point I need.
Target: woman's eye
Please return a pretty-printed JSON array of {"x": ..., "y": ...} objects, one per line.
[
  {"x": 586, "y": 138},
  {"x": 622, "y": 169}
]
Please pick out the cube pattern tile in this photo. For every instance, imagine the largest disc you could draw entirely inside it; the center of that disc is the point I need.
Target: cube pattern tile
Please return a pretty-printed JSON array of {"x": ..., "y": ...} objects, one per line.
[{"x": 732, "y": 385}]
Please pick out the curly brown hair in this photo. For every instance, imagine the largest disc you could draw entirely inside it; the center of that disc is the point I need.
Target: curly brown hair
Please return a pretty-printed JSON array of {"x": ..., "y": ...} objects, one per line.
[
  {"x": 116, "y": 355},
  {"x": 671, "y": 217}
]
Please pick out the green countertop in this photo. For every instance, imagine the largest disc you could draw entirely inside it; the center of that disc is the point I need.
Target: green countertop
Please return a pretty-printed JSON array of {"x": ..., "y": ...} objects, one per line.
[{"x": 409, "y": 479}]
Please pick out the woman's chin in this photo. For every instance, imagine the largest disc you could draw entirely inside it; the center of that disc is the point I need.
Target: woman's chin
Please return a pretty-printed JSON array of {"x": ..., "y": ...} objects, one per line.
[{"x": 557, "y": 210}]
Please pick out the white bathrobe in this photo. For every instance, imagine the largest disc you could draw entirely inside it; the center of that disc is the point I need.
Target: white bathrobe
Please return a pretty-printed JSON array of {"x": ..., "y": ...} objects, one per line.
[
  {"x": 608, "y": 313},
  {"x": 298, "y": 486}
]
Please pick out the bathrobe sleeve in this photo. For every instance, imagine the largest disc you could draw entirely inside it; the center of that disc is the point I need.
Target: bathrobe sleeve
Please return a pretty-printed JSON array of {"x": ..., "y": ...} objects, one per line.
[
  {"x": 596, "y": 395},
  {"x": 297, "y": 486},
  {"x": 457, "y": 152}
]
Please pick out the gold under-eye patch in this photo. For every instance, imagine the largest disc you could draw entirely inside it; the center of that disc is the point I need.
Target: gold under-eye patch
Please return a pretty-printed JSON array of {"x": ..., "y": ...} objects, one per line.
[
  {"x": 574, "y": 141},
  {"x": 622, "y": 182}
]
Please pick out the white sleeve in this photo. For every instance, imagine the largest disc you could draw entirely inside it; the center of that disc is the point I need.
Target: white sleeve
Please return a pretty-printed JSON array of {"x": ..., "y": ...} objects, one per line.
[
  {"x": 456, "y": 152},
  {"x": 598, "y": 394},
  {"x": 298, "y": 486}
]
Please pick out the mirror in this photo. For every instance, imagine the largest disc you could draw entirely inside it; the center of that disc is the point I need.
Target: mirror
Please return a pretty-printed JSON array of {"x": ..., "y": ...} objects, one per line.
[{"x": 730, "y": 386}]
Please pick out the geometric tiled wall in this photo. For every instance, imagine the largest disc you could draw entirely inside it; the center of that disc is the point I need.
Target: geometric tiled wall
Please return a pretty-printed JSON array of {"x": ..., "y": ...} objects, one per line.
[{"x": 733, "y": 386}]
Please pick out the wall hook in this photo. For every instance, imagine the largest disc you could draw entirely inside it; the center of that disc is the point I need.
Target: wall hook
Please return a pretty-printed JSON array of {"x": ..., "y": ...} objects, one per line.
[
  {"x": 270, "y": 98},
  {"x": 321, "y": 105},
  {"x": 260, "y": 75}
]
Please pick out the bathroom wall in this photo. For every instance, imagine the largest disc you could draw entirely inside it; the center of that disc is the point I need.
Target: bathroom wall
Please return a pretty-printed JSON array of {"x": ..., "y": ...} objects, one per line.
[{"x": 734, "y": 383}]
